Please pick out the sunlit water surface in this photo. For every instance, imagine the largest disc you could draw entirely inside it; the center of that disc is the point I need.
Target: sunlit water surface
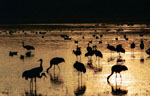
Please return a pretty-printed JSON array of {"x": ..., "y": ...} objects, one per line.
[{"x": 135, "y": 81}]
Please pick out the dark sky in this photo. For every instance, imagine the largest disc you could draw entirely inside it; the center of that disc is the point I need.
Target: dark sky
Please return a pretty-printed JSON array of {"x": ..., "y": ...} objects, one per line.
[{"x": 12, "y": 9}]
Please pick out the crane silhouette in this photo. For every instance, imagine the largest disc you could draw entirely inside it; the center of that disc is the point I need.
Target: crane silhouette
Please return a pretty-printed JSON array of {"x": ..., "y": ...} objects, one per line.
[
  {"x": 97, "y": 53},
  {"x": 77, "y": 52},
  {"x": 76, "y": 41},
  {"x": 55, "y": 61},
  {"x": 12, "y": 53},
  {"x": 89, "y": 53},
  {"x": 28, "y": 47},
  {"x": 142, "y": 48},
  {"x": 117, "y": 69},
  {"x": 33, "y": 74},
  {"x": 89, "y": 48},
  {"x": 90, "y": 41},
  {"x": 22, "y": 57},
  {"x": 141, "y": 44},
  {"x": 132, "y": 46},
  {"x": 79, "y": 67},
  {"x": 111, "y": 48},
  {"x": 120, "y": 49},
  {"x": 34, "y": 70}
]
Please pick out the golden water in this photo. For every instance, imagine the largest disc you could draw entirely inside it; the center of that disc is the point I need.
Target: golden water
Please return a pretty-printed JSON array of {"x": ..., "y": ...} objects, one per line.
[{"x": 135, "y": 81}]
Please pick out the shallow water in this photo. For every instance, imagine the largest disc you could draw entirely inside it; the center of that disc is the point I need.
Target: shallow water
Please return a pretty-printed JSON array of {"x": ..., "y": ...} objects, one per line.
[{"x": 135, "y": 81}]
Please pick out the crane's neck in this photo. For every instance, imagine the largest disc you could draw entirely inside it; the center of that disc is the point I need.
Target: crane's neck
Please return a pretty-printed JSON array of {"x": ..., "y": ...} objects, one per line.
[
  {"x": 41, "y": 63},
  {"x": 109, "y": 77}
]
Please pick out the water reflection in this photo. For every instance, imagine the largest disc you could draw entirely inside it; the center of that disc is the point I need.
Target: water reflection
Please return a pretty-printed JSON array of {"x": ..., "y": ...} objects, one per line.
[
  {"x": 32, "y": 93},
  {"x": 95, "y": 67},
  {"x": 80, "y": 90},
  {"x": 142, "y": 57},
  {"x": 54, "y": 78},
  {"x": 117, "y": 90},
  {"x": 54, "y": 45},
  {"x": 132, "y": 46}
]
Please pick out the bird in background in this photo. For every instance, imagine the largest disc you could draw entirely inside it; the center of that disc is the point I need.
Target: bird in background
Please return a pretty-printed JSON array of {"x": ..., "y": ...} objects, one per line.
[
  {"x": 117, "y": 69},
  {"x": 97, "y": 53},
  {"x": 132, "y": 46},
  {"x": 28, "y": 47},
  {"x": 120, "y": 49},
  {"x": 77, "y": 52},
  {"x": 55, "y": 61},
  {"x": 89, "y": 53},
  {"x": 111, "y": 48},
  {"x": 89, "y": 48},
  {"x": 141, "y": 44},
  {"x": 12, "y": 53},
  {"x": 76, "y": 42},
  {"x": 90, "y": 41}
]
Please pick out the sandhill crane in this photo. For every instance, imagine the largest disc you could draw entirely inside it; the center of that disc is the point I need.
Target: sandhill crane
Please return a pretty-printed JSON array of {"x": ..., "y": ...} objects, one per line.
[
  {"x": 117, "y": 69},
  {"x": 55, "y": 61},
  {"x": 33, "y": 74},
  {"x": 77, "y": 52},
  {"x": 132, "y": 46},
  {"x": 120, "y": 49},
  {"x": 111, "y": 48},
  {"x": 28, "y": 47}
]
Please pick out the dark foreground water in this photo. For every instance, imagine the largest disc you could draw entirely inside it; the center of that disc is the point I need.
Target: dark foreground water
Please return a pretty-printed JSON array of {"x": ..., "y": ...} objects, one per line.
[{"x": 66, "y": 82}]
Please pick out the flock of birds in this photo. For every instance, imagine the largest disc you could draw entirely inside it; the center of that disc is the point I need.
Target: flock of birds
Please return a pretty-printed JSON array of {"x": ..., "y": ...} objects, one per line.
[
  {"x": 78, "y": 65},
  {"x": 91, "y": 51},
  {"x": 27, "y": 54}
]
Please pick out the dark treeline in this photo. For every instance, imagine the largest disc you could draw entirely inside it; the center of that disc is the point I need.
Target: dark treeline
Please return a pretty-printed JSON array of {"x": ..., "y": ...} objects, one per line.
[{"x": 47, "y": 20}]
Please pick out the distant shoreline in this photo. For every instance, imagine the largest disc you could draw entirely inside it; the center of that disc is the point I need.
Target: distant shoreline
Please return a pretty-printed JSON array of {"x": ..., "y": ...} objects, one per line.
[{"x": 90, "y": 28}]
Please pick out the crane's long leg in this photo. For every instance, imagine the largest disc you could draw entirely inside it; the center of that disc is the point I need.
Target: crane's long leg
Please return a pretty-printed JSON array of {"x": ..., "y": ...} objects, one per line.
[
  {"x": 80, "y": 57},
  {"x": 111, "y": 54},
  {"x": 35, "y": 86},
  {"x": 78, "y": 80},
  {"x": 58, "y": 68},
  {"x": 116, "y": 77},
  {"x": 96, "y": 59},
  {"x": 98, "y": 62},
  {"x": 54, "y": 67},
  {"x": 31, "y": 85},
  {"x": 81, "y": 78},
  {"x": 120, "y": 77}
]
